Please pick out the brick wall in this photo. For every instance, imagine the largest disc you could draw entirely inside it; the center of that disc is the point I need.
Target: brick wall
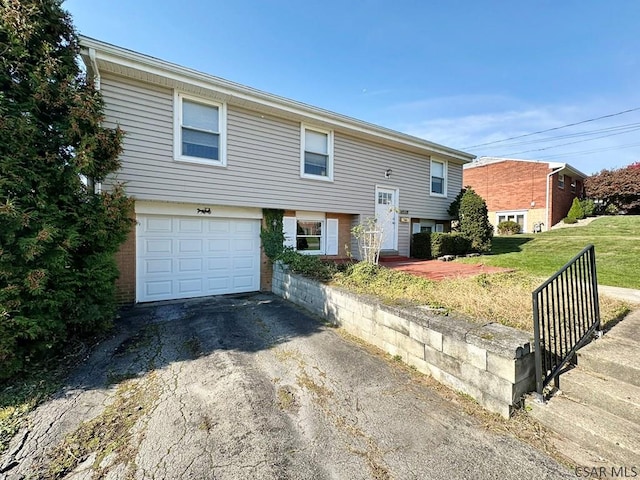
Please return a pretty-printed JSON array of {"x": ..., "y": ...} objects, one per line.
[
  {"x": 126, "y": 261},
  {"x": 562, "y": 198},
  {"x": 509, "y": 185}
]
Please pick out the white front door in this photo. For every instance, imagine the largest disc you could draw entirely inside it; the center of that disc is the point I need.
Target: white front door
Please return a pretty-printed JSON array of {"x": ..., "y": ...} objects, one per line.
[{"x": 387, "y": 216}]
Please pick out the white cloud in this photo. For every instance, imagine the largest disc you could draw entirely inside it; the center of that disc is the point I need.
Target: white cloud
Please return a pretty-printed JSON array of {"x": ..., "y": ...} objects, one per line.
[{"x": 466, "y": 130}]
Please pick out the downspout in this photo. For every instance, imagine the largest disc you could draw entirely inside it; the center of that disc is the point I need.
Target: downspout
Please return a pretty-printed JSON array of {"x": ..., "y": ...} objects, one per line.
[
  {"x": 94, "y": 68},
  {"x": 96, "y": 187},
  {"x": 549, "y": 175}
]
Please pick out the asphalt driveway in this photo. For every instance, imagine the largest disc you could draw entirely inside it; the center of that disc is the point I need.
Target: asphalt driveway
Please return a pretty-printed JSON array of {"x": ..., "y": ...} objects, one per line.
[{"x": 252, "y": 387}]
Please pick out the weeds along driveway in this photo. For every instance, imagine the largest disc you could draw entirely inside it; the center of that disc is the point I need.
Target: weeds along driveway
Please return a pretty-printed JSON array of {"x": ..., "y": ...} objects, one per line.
[{"x": 252, "y": 387}]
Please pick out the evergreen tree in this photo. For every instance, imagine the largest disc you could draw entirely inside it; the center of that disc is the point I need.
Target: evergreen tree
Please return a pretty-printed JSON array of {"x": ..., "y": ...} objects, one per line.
[
  {"x": 474, "y": 221},
  {"x": 576, "y": 210},
  {"x": 57, "y": 236}
]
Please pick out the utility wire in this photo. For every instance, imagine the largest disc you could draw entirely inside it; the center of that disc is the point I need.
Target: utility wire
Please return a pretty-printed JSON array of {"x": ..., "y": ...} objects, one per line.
[
  {"x": 553, "y": 129},
  {"x": 569, "y": 143},
  {"x": 588, "y": 152}
]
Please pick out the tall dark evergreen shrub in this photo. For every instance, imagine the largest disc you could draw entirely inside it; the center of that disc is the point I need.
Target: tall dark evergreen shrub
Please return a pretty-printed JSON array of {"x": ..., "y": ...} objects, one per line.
[
  {"x": 474, "y": 221},
  {"x": 57, "y": 237}
]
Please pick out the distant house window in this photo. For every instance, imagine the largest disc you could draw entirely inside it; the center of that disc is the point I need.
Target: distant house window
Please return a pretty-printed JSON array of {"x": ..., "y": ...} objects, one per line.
[
  {"x": 316, "y": 154},
  {"x": 519, "y": 217},
  {"x": 199, "y": 131},
  {"x": 438, "y": 178},
  {"x": 561, "y": 181}
]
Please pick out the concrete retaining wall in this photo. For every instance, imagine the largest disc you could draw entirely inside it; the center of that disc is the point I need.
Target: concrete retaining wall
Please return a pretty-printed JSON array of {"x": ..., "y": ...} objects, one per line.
[{"x": 492, "y": 363}]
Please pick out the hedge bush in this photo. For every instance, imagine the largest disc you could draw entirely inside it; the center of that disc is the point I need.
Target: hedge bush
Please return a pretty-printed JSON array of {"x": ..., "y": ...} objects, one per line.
[
  {"x": 421, "y": 245},
  {"x": 570, "y": 220},
  {"x": 449, "y": 244},
  {"x": 588, "y": 207},
  {"x": 508, "y": 227},
  {"x": 474, "y": 221}
]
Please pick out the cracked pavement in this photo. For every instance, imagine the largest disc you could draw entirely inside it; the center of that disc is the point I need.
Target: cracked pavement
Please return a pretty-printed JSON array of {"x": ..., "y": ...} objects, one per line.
[{"x": 253, "y": 387}]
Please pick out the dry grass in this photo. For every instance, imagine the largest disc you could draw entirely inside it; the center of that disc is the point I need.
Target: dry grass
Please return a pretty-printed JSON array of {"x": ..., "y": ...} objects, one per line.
[{"x": 500, "y": 297}]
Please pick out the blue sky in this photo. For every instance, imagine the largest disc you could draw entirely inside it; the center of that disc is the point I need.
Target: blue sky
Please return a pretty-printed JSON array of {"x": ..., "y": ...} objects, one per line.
[{"x": 457, "y": 72}]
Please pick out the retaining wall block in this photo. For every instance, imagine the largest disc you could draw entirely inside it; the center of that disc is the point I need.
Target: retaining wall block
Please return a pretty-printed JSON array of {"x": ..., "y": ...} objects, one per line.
[
  {"x": 465, "y": 351},
  {"x": 393, "y": 321},
  {"x": 425, "y": 335}
]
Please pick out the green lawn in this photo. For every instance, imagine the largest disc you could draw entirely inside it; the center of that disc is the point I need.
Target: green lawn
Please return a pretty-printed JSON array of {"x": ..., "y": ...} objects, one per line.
[{"x": 617, "y": 242}]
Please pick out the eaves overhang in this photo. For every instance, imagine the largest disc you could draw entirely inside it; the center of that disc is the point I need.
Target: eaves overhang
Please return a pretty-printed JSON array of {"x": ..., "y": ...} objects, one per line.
[{"x": 124, "y": 62}]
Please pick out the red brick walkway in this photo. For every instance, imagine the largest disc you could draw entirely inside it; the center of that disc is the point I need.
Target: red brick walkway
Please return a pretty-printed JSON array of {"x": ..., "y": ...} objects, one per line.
[{"x": 437, "y": 269}]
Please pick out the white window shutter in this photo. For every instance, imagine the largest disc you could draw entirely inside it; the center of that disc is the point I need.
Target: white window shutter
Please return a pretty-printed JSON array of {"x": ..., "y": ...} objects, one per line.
[
  {"x": 289, "y": 229},
  {"x": 332, "y": 236}
]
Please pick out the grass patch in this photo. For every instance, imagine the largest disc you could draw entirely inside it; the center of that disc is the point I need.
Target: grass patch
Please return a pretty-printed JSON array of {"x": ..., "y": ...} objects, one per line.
[
  {"x": 502, "y": 297},
  {"x": 616, "y": 239}
]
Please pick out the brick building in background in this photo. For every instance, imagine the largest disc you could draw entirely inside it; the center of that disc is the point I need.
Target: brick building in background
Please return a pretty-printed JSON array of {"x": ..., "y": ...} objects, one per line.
[{"x": 528, "y": 192}]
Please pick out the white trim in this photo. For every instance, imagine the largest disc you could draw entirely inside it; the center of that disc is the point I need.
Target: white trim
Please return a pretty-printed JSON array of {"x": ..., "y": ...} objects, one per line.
[
  {"x": 124, "y": 58},
  {"x": 178, "y": 98},
  {"x": 329, "y": 133},
  {"x": 445, "y": 181},
  {"x": 146, "y": 207}
]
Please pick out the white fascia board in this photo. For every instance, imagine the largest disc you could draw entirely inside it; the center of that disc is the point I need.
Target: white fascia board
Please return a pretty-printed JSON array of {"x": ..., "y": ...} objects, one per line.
[{"x": 155, "y": 66}]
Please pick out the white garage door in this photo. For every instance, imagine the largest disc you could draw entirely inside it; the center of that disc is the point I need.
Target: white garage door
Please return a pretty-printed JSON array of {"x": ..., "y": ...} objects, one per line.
[{"x": 183, "y": 257}]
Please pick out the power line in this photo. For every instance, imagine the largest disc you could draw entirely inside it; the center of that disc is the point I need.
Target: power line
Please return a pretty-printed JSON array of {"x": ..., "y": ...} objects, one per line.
[
  {"x": 569, "y": 143},
  {"x": 553, "y": 129},
  {"x": 589, "y": 152}
]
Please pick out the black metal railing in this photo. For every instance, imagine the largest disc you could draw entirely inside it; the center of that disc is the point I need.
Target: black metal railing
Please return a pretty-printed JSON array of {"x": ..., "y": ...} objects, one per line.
[{"x": 566, "y": 315}]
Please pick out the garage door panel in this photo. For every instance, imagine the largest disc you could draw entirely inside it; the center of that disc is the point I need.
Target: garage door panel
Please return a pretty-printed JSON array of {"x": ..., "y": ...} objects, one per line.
[
  {"x": 190, "y": 286},
  {"x": 162, "y": 246},
  {"x": 243, "y": 262},
  {"x": 189, "y": 225},
  {"x": 182, "y": 257},
  {"x": 246, "y": 227},
  {"x": 241, "y": 282},
  {"x": 191, "y": 245},
  {"x": 158, "y": 266},
  {"x": 219, "y": 245},
  {"x": 157, "y": 224},
  {"x": 219, "y": 226},
  {"x": 215, "y": 264},
  {"x": 244, "y": 245},
  {"x": 189, "y": 265},
  {"x": 158, "y": 289}
]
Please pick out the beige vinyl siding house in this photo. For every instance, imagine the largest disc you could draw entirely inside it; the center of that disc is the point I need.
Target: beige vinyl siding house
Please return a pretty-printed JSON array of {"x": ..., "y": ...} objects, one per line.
[{"x": 203, "y": 156}]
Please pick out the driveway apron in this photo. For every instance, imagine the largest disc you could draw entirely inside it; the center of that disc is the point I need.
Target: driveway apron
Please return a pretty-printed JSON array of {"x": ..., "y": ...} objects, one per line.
[{"x": 253, "y": 387}]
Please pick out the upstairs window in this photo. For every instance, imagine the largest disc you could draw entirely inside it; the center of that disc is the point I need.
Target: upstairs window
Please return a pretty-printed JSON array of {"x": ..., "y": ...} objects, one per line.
[
  {"x": 199, "y": 131},
  {"x": 317, "y": 154},
  {"x": 438, "y": 178},
  {"x": 561, "y": 181}
]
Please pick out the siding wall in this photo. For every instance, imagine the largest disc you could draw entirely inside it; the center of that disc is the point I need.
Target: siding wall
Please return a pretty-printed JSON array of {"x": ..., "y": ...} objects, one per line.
[{"x": 263, "y": 162}]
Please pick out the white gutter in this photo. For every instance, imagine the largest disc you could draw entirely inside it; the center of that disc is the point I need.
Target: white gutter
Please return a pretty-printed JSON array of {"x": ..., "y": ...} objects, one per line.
[{"x": 549, "y": 175}]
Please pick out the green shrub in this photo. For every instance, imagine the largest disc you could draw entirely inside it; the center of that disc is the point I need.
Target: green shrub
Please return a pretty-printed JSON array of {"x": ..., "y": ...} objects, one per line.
[
  {"x": 611, "y": 209},
  {"x": 576, "y": 210},
  {"x": 421, "y": 245},
  {"x": 588, "y": 207},
  {"x": 508, "y": 228},
  {"x": 449, "y": 244},
  {"x": 308, "y": 265},
  {"x": 474, "y": 221},
  {"x": 570, "y": 220}
]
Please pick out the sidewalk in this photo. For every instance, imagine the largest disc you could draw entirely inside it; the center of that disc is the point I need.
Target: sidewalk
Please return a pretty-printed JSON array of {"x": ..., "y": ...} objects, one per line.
[{"x": 627, "y": 294}]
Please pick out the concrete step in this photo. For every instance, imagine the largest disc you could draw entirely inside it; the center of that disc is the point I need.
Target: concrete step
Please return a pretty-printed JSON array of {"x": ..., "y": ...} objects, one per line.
[
  {"x": 614, "y": 440},
  {"x": 611, "y": 395},
  {"x": 612, "y": 356}
]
